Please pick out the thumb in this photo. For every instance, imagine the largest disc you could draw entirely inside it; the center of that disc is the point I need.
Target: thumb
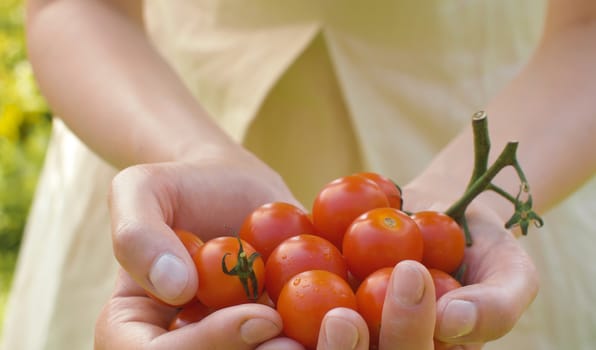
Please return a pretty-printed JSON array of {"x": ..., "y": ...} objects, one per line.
[
  {"x": 409, "y": 313},
  {"x": 145, "y": 246}
]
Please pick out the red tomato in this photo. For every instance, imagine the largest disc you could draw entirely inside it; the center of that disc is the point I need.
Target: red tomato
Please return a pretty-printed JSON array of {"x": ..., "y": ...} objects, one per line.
[
  {"x": 271, "y": 223},
  {"x": 298, "y": 254},
  {"x": 306, "y": 298},
  {"x": 190, "y": 313},
  {"x": 391, "y": 189},
  {"x": 380, "y": 238},
  {"x": 190, "y": 240},
  {"x": 370, "y": 297},
  {"x": 343, "y": 200},
  {"x": 443, "y": 282},
  {"x": 244, "y": 281},
  {"x": 444, "y": 240}
]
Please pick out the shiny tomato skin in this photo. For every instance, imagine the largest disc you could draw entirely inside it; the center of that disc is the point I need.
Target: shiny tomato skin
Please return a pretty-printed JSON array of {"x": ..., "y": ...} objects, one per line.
[
  {"x": 298, "y": 254},
  {"x": 306, "y": 298},
  {"x": 190, "y": 313},
  {"x": 444, "y": 240},
  {"x": 271, "y": 223},
  {"x": 191, "y": 241},
  {"x": 217, "y": 289},
  {"x": 392, "y": 191},
  {"x": 370, "y": 297},
  {"x": 380, "y": 238},
  {"x": 343, "y": 200},
  {"x": 443, "y": 282}
]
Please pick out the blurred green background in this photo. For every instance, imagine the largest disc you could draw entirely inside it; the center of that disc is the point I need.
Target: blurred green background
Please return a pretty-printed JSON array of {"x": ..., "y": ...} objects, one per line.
[{"x": 25, "y": 123}]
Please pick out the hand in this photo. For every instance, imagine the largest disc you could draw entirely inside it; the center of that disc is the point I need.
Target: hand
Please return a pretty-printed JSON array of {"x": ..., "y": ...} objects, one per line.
[
  {"x": 131, "y": 320},
  {"x": 500, "y": 283},
  {"x": 210, "y": 198}
]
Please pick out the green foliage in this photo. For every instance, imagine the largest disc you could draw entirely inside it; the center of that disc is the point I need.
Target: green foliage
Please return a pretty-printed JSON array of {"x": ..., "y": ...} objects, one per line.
[{"x": 24, "y": 127}]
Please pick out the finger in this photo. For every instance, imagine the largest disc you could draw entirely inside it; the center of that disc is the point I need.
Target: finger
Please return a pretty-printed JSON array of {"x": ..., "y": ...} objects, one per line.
[
  {"x": 237, "y": 327},
  {"x": 280, "y": 343},
  {"x": 444, "y": 346},
  {"x": 341, "y": 329},
  {"x": 408, "y": 320},
  {"x": 140, "y": 323},
  {"x": 144, "y": 244},
  {"x": 502, "y": 284}
]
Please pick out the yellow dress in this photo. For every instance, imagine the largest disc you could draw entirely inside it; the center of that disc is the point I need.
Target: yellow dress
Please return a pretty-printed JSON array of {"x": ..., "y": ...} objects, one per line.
[{"x": 318, "y": 89}]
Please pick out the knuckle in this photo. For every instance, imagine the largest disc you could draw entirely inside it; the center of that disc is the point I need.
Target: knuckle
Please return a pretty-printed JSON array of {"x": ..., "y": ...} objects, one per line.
[{"x": 125, "y": 236}]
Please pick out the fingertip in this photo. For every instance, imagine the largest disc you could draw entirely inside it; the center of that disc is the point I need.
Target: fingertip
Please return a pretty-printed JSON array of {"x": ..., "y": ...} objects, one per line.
[
  {"x": 409, "y": 283},
  {"x": 457, "y": 318},
  {"x": 257, "y": 330},
  {"x": 157, "y": 260},
  {"x": 170, "y": 278},
  {"x": 408, "y": 318},
  {"x": 280, "y": 343},
  {"x": 343, "y": 328}
]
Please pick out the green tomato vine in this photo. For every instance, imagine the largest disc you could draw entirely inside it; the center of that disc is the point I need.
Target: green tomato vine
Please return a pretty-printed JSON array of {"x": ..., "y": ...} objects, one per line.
[{"x": 483, "y": 175}]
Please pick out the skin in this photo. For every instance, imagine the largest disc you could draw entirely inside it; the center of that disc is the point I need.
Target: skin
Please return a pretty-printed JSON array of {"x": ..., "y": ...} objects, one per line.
[{"x": 181, "y": 170}]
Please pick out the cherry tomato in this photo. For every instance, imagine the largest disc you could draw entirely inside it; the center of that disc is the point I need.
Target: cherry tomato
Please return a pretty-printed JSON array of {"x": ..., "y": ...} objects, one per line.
[
  {"x": 443, "y": 282},
  {"x": 229, "y": 273},
  {"x": 392, "y": 191},
  {"x": 190, "y": 313},
  {"x": 306, "y": 298},
  {"x": 444, "y": 240},
  {"x": 343, "y": 200},
  {"x": 190, "y": 240},
  {"x": 380, "y": 238},
  {"x": 271, "y": 223},
  {"x": 298, "y": 254},
  {"x": 370, "y": 297}
]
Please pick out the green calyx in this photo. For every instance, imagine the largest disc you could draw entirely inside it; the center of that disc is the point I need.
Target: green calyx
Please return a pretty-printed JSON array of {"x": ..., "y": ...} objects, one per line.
[{"x": 244, "y": 270}]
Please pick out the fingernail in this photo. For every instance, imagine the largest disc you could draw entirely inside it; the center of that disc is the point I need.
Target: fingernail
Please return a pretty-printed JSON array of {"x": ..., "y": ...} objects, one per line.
[
  {"x": 340, "y": 334},
  {"x": 459, "y": 319},
  {"x": 169, "y": 276},
  {"x": 408, "y": 284},
  {"x": 257, "y": 330}
]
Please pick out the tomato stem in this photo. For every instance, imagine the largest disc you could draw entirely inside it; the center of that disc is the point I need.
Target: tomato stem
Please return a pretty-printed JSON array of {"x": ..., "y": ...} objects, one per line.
[
  {"x": 244, "y": 270},
  {"x": 400, "y": 193},
  {"x": 482, "y": 176},
  {"x": 459, "y": 274}
]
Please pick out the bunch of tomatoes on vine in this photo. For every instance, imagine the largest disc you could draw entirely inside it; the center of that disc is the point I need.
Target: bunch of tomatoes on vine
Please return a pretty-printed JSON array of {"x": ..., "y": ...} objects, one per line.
[{"x": 340, "y": 254}]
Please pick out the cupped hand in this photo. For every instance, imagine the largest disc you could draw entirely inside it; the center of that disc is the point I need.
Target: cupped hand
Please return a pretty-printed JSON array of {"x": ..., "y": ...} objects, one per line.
[
  {"x": 131, "y": 320},
  {"x": 208, "y": 198},
  {"x": 500, "y": 282},
  {"x": 212, "y": 199}
]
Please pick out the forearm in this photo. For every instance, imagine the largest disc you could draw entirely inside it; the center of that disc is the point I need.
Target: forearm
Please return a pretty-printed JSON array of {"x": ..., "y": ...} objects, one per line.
[
  {"x": 102, "y": 76},
  {"x": 551, "y": 111}
]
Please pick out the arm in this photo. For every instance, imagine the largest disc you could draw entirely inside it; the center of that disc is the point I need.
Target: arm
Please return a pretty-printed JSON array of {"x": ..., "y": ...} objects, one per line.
[
  {"x": 101, "y": 75},
  {"x": 549, "y": 108}
]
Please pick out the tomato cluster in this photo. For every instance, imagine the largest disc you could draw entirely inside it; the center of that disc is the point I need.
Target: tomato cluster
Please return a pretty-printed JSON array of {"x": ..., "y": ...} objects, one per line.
[{"x": 339, "y": 255}]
